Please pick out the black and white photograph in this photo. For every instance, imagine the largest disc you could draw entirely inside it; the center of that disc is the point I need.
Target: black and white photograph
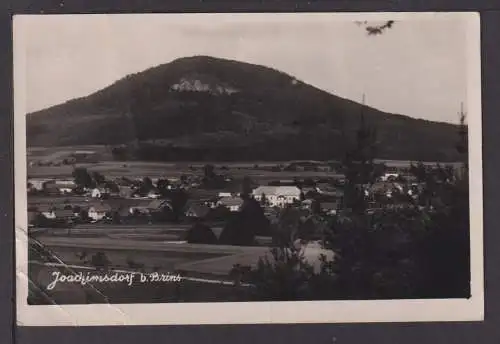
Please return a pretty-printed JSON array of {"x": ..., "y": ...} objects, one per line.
[{"x": 248, "y": 168}]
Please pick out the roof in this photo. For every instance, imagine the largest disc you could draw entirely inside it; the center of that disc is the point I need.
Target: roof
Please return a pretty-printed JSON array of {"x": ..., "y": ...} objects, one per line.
[
  {"x": 203, "y": 194},
  {"x": 277, "y": 190},
  {"x": 199, "y": 210},
  {"x": 324, "y": 187},
  {"x": 156, "y": 204},
  {"x": 43, "y": 208},
  {"x": 384, "y": 187},
  {"x": 329, "y": 205},
  {"x": 64, "y": 213},
  {"x": 51, "y": 187},
  {"x": 307, "y": 189},
  {"x": 100, "y": 207},
  {"x": 40, "y": 180},
  {"x": 64, "y": 182},
  {"x": 66, "y": 186},
  {"x": 231, "y": 201},
  {"x": 125, "y": 189},
  {"x": 137, "y": 202}
]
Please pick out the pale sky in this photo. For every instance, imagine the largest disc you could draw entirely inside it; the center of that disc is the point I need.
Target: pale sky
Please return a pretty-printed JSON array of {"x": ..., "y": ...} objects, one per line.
[{"x": 417, "y": 68}]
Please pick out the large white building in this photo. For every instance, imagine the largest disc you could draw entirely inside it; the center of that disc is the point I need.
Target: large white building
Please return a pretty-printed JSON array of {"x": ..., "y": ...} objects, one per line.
[{"x": 277, "y": 196}]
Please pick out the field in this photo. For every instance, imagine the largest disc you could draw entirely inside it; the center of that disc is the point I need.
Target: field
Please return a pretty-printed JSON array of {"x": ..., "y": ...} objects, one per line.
[
  {"x": 205, "y": 269},
  {"x": 128, "y": 234},
  {"x": 114, "y": 203},
  {"x": 133, "y": 170},
  {"x": 210, "y": 261},
  {"x": 258, "y": 170}
]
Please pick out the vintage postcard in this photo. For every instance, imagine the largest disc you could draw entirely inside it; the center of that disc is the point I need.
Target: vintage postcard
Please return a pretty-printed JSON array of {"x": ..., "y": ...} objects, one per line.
[{"x": 248, "y": 168}]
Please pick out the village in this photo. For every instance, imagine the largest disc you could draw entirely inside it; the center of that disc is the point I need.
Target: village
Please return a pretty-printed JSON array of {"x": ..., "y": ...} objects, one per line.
[
  {"x": 209, "y": 222},
  {"x": 92, "y": 198}
]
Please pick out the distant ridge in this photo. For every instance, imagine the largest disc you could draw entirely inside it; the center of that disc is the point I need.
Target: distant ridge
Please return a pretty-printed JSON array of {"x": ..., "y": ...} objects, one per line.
[{"x": 227, "y": 108}]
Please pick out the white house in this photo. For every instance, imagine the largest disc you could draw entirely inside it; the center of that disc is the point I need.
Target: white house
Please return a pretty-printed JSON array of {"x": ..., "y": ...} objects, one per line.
[
  {"x": 98, "y": 211},
  {"x": 277, "y": 195},
  {"x": 153, "y": 194},
  {"x": 66, "y": 189},
  {"x": 232, "y": 203},
  {"x": 37, "y": 184},
  {"x": 225, "y": 194},
  {"x": 96, "y": 193},
  {"x": 50, "y": 214},
  {"x": 47, "y": 211},
  {"x": 65, "y": 182}
]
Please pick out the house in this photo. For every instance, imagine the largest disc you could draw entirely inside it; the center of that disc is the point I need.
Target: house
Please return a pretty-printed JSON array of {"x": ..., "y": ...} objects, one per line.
[
  {"x": 306, "y": 204},
  {"x": 64, "y": 214},
  {"x": 196, "y": 210},
  {"x": 158, "y": 205},
  {"x": 329, "y": 208},
  {"x": 277, "y": 195},
  {"x": 140, "y": 206},
  {"x": 225, "y": 194},
  {"x": 65, "y": 182},
  {"x": 98, "y": 211},
  {"x": 308, "y": 189},
  {"x": 57, "y": 187},
  {"x": 386, "y": 188},
  {"x": 212, "y": 203},
  {"x": 37, "y": 184},
  {"x": 153, "y": 194},
  {"x": 125, "y": 191},
  {"x": 66, "y": 189},
  {"x": 123, "y": 181},
  {"x": 232, "y": 203},
  {"x": 50, "y": 188},
  {"x": 327, "y": 189},
  {"x": 97, "y": 192},
  {"x": 47, "y": 211}
]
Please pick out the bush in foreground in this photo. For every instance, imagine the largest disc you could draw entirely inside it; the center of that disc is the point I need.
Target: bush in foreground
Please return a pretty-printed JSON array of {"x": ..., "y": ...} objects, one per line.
[{"x": 201, "y": 234}]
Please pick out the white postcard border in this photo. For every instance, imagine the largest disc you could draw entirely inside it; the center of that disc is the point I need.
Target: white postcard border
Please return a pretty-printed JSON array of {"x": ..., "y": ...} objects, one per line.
[{"x": 263, "y": 312}]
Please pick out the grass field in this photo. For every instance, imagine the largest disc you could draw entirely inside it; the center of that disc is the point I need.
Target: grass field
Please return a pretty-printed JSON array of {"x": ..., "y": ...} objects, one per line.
[
  {"x": 114, "y": 203},
  {"x": 133, "y": 169},
  {"x": 206, "y": 269},
  {"x": 140, "y": 169},
  {"x": 197, "y": 258}
]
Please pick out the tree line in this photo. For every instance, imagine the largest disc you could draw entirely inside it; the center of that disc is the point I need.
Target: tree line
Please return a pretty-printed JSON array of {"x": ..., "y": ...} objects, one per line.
[{"x": 412, "y": 247}]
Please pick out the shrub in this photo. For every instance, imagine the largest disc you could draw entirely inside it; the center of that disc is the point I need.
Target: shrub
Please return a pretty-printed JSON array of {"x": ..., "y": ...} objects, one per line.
[{"x": 201, "y": 234}]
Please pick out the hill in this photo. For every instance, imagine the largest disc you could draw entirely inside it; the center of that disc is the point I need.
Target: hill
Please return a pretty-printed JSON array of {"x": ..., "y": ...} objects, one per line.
[{"x": 201, "y": 107}]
